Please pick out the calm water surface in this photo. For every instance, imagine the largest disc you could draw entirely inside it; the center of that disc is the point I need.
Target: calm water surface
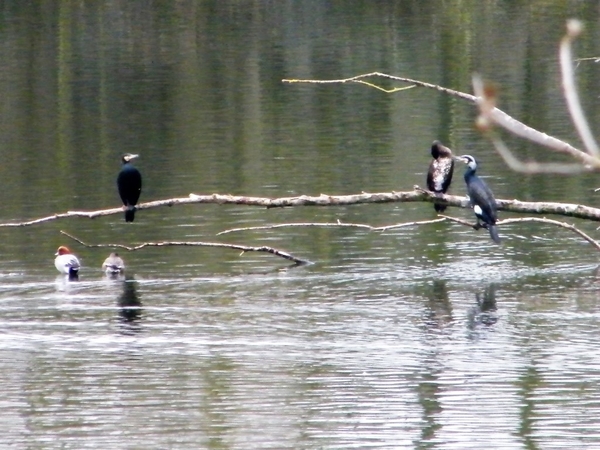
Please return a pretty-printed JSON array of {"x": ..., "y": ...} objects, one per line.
[{"x": 426, "y": 338}]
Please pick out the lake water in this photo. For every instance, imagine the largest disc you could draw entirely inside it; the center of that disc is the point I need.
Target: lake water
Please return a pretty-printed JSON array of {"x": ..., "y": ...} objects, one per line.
[{"x": 425, "y": 337}]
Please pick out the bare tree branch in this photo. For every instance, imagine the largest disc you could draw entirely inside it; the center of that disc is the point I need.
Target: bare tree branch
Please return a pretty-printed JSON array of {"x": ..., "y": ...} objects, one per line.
[
  {"x": 496, "y": 115},
  {"x": 568, "y": 226},
  {"x": 243, "y": 248},
  {"x": 337, "y": 224},
  {"x": 416, "y": 195},
  {"x": 574, "y": 28},
  {"x": 486, "y": 101},
  {"x": 442, "y": 218}
]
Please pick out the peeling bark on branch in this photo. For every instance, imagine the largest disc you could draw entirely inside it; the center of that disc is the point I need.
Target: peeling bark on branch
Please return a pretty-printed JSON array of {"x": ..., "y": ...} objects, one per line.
[{"x": 416, "y": 195}]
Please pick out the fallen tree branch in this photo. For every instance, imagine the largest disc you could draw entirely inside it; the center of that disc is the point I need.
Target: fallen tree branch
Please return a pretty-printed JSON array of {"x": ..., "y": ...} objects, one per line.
[
  {"x": 337, "y": 224},
  {"x": 568, "y": 226},
  {"x": 441, "y": 218},
  {"x": 416, "y": 195},
  {"x": 498, "y": 116},
  {"x": 243, "y": 248},
  {"x": 565, "y": 225}
]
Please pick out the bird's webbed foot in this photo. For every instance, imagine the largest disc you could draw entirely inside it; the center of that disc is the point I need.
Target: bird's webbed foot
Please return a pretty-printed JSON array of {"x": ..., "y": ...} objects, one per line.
[{"x": 479, "y": 225}]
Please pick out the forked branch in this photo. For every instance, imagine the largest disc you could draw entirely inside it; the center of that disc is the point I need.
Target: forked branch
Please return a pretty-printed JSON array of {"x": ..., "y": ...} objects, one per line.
[{"x": 491, "y": 115}]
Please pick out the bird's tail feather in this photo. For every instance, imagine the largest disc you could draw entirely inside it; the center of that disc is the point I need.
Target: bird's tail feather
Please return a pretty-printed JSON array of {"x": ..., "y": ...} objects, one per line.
[
  {"x": 439, "y": 208},
  {"x": 73, "y": 274},
  {"x": 494, "y": 233},
  {"x": 130, "y": 214}
]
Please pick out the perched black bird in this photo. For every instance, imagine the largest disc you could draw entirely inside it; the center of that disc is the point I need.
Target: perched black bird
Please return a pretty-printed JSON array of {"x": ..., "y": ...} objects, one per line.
[
  {"x": 440, "y": 172},
  {"x": 481, "y": 198},
  {"x": 129, "y": 183}
]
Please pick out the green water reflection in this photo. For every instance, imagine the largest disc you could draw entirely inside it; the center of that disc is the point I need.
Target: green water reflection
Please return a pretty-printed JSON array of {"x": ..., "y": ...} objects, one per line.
[{"x": 389, "y": 340}]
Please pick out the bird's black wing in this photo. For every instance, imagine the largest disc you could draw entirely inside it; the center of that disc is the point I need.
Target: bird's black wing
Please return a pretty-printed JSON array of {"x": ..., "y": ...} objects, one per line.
[
  {"x": 481, "y": 195},
  {"x": 129, "y": 183},
  {"x": 439, "y": 175}
]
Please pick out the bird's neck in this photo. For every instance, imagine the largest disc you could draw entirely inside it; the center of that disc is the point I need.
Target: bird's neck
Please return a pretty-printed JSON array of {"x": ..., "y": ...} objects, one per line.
[{"x": 470, "y": 173}]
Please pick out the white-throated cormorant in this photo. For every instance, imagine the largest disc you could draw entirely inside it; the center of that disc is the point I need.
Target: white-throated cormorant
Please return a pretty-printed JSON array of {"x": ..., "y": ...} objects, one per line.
[
  {"x": 481, "y": 198},
  {"x": 129, "y": 183}
]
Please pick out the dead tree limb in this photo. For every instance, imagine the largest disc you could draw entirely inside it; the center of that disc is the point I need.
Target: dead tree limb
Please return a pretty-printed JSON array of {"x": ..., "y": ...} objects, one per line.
[
  {"x": 497, "y": 115},
  {"x": 485, "y": 99},
  {"x": 442, "y": 218},
  {"x": 243, "y": 248},
  {"x": 337, "y": 224},
  {"x": 416, "y": 195},
  {"x": 565, "y": 225}
]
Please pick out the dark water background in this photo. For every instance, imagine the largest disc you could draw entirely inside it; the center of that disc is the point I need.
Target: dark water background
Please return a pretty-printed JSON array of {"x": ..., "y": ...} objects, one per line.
[{"x": 424, "y": 338}]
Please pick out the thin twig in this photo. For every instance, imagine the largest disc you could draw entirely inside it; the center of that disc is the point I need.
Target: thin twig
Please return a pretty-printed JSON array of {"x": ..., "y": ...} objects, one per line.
[
  {"x": 337, "y": 224},
  {"x": 460, "y": 221},
  {"x": 565, "y": 225},
  {"x": 297, "y": 224},
  {"x": 408, "y": 224},
  {"x": 359, "y": 79},
  {"x": 568, "y": 226},
  {"x": 441, "y": 218},
  {"x": 243, "y": 248}
]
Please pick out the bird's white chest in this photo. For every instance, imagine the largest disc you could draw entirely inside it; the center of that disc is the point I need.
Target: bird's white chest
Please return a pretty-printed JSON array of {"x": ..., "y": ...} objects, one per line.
[
  {"x": 65, "y": 262},
  {"x": 440, "y": 175}
]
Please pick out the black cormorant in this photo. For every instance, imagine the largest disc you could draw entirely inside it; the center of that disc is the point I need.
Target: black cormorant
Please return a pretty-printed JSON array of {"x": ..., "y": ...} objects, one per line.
[
  {"x": 481, "y": 198},
  {"x": 440, "y": 172},
  {"x": 129, "y": 183}
]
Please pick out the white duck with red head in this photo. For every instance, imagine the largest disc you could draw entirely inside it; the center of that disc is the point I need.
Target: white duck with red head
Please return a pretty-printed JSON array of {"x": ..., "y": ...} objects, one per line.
[{"x": 66, "y": 262}]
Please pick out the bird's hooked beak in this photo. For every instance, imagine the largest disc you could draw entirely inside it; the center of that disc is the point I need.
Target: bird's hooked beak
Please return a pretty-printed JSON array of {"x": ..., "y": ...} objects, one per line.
[
  {"x": 461, "y": 159},
  {"x": 131, "y": 156}
]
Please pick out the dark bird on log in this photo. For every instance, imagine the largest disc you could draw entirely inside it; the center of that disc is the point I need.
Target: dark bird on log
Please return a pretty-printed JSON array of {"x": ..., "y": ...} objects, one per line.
[
  {"x": 129, "y": 183},
  {"x": 440, "y": 171},
  {"x": 481, "y": 198}
]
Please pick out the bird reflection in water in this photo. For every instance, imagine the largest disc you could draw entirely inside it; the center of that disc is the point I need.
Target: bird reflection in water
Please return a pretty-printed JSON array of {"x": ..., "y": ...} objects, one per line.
[
  {"x": 484, "y": 312},
  {"x": 439, "y": 308},
  {"x": 67, "y": 283},
  {"x": 130, "y": 306}
]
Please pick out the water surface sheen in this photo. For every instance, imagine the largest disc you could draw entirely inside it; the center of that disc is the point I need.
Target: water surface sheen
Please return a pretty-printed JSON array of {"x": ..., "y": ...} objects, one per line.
[{"x": 424, "y": 337}]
